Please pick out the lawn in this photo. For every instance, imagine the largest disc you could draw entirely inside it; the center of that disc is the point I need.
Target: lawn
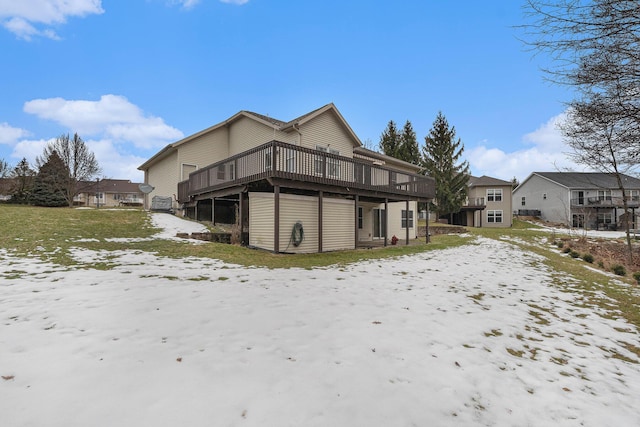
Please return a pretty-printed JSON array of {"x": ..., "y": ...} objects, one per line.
[{"x": 107, "y": 320}]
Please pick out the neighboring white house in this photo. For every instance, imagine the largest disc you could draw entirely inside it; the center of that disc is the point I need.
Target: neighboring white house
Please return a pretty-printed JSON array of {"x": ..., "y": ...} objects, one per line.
[
  {"x": 590, "y": 200},
  {"x": 273, "y": 178}
]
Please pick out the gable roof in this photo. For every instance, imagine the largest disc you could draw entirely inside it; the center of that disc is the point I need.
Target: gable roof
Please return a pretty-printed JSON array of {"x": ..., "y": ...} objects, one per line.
[
  {"x": 109, "y": 186},
  {"x": 261, "y": 118},
  {"x": 388, "y": 160},
  {"x": 485, "y": 180},
  {"x": 588, "y": 179}
]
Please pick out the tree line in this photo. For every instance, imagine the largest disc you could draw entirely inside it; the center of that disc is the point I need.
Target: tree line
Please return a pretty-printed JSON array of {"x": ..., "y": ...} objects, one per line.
[
  {"x": 59, "y": 173},
  {"x": 439, "y": 158}
]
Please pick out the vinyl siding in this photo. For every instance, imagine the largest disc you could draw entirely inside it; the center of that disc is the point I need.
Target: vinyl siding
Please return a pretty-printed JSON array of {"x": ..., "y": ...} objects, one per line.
[
  {"x": 295, "y": 208},
  {"x": 555, "y": 208},
  {"x": 338, "y": 224},
  {"x": 326, "y": 130},
  {"x": 206, "y": 149},
  {"x": 261, "y": 208},
  {"x": 164, "y": 176},
  {"x": 395, "y": 220},
  {"x": 245, "y": 134},
  {"x": 505, "y": 206}
]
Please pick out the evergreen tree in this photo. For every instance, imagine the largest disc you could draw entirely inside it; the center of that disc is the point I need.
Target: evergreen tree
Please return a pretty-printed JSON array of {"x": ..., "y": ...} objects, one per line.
[
  {"x": 409, "y": 150},
  {"x": 390, "y": 140},
  {"x": 440, "y": 156},
  {"x": 514, "y": 183},
  {"x": 50, "y": 183},
  {"x": 23, "y": 177}
]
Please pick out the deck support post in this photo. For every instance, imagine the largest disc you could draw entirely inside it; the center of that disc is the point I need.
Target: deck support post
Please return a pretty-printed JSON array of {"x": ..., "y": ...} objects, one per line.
[
  {"x": 386, "y": 220},
  {"x": 407, "y": 221},
  {"x": 320, "y": 215},
  {"x": 428, "y": 238},
  {"x": 355, "y": 220},
  {"x": 240, "y": 220},
  {"x": 276, "y": 218}
]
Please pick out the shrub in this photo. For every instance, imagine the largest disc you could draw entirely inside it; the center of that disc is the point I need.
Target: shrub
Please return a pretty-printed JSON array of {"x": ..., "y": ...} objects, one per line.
[
  {"x": 636, "y": 276},
  {"x": 566, "y": 250},
  {"x": 574, "y": 254},
  {"x": 588, "y": 258},
  {"x": 619, "y": 270},
  {"x": 559, "y": 244},
  {"x": 600, "y": 264}
]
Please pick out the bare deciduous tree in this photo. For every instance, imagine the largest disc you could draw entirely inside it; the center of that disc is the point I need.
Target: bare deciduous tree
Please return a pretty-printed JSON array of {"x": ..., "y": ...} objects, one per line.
[
  {"x": 79, "y": 160},
  {"x": 595, "y": 49}
]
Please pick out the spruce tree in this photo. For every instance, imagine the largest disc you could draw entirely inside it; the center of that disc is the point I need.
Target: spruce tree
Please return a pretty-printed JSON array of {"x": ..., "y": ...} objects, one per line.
[
  {"x": 409, "y": 150},
  {"x": 50, "y": 183},
  {"x": 23, "y": 177},
  {"x": 390, "y": 140},
  {"x": 440, "y": 156}
]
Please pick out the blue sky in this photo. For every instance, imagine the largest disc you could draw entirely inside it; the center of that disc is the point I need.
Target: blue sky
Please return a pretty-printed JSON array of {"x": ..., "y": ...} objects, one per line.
[{"x": 132, "y": 76}]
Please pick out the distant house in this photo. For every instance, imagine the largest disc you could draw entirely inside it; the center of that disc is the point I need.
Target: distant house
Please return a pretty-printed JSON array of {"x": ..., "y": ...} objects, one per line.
[
  {"x": 6, "y": 188},
  {"x": 488, "y": 203},
  {"x": 279, "y": 180},
  {"x": 109, "y": 193},
  {"x": 579, "y": 199}
]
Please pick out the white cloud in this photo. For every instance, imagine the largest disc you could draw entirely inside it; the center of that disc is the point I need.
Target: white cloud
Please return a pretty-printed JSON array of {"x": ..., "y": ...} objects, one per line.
[
  {"x": 111, "y": 117},
  {"x": 189, "y": 4},
  {"x": 115, "y": 164},
  {"x": 10, "y": 135},
  {"x": 29, "y": 18},
  {"x": 30, "y": 149},
  {"x": 548, "y": 152}
]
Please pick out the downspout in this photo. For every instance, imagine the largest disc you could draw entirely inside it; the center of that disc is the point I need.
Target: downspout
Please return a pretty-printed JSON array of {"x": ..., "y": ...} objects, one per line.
[{"x": 299, "y": 134}]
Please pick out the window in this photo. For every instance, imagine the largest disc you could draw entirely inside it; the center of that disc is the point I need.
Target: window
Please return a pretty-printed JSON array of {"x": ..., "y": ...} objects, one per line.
[
  {"x": 333, "y": 165},
  {"x": 494, "y": 194},
  {"x": 633, "y": 195},
  {"x": 494, "y": 216},
  {"x": 577, "y": 197},
  {"x": 578, "y": 220},
  {"x": 407, "y": 221},
  {"x": 605, "y": 218},
  {"x": 267, "y": 160},
  {"x": 524, "y": 203},
  {"x": 604, "y": 195},
  {"x": 291, "y": 160},
  {"x": 360, "y": 217},
  {"x": 232, "y": 172},
  {"x": 221, "y": 172}
]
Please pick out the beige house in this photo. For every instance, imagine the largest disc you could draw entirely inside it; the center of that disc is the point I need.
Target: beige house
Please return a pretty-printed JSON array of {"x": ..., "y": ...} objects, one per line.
[
  {"x": 488, "y": 203},
  {"x": 306, "y": 185},
  {"x": 109, "y": 193}
]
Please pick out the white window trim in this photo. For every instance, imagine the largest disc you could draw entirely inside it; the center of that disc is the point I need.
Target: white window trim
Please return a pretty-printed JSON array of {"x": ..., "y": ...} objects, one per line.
[
  {"x": 493, "y": 215},
  {"x": 493, "y": 194}
]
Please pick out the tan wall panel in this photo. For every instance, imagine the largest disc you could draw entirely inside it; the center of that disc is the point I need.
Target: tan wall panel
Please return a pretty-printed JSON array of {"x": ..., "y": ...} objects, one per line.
[
  {"x": 326, "y": 130},
  {"x": 395, "y": 220},
  {"x": 205, "y": 149},
  {"x": 164, "y": 176},
  {"x": 295, "y": 208},
  {"x": 245, "y": 134},
  {"x": 338, "y": 224},
  {"x": 261, "y": 220}
]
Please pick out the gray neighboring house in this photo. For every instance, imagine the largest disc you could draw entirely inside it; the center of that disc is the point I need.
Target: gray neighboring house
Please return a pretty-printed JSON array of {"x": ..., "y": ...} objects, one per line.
[{"x": 588, "y": 200}]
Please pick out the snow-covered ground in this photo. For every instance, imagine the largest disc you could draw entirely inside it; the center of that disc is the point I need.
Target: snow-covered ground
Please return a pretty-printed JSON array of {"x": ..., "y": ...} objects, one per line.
[{"x": 483, "y": 334}]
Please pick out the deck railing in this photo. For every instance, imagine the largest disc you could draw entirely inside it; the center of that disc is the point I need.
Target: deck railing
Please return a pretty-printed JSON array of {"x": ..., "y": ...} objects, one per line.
[
  {"x": 607, "y": 201},
  {"x": 277, "y": 159},
  {"x": 475, "y": 202}
]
